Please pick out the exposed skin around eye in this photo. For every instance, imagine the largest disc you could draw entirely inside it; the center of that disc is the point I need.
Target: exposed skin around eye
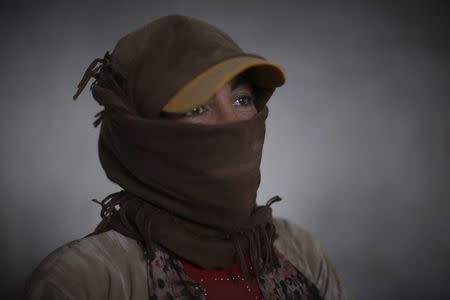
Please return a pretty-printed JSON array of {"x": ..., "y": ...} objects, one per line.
[{"x": 233, "y": 102}]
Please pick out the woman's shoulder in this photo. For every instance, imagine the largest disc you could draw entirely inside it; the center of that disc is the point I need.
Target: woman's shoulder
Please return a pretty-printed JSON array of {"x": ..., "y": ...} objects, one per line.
[
  {"x": 300, "y": 247},
  {"x": 297, "y": 244},
  {"x": 87, "y": 268}
]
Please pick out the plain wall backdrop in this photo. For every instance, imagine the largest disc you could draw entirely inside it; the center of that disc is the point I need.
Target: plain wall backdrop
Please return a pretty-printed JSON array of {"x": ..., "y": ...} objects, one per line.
[{"x": 357, "y": 144}]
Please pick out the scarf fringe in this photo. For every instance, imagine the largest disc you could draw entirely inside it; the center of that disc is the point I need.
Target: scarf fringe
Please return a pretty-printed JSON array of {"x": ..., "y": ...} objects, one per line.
[
  {"x": 259, "y": 239},
  {"x": 261, "y": 250}
]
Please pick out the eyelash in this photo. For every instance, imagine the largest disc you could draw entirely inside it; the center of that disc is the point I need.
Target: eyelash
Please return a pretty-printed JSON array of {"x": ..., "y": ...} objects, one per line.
[
  {"x": 249, "y": 100},
  {"x": 196, "y": 111},
  {"x": 199, "y": 110}
]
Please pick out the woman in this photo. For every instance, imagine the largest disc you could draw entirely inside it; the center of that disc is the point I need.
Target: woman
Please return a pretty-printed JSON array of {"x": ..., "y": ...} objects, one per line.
[{"x": 182, "y": 132}]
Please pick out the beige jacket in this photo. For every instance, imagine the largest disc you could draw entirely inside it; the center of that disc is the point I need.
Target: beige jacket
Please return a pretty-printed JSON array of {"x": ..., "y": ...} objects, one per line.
[{"x": 112, "y": 266}]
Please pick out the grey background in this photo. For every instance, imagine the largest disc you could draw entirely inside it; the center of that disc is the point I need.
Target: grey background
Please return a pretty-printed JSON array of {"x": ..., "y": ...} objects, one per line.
[{"x": 357, "y": 143}]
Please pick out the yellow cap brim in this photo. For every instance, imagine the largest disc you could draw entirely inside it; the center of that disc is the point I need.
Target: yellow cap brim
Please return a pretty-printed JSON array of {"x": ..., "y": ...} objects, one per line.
[{"x": 200, "y": 89}]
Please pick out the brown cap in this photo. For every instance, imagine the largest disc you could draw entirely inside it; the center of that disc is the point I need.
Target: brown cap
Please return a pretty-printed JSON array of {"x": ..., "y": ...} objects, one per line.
[{"x": 177, "y": 62}]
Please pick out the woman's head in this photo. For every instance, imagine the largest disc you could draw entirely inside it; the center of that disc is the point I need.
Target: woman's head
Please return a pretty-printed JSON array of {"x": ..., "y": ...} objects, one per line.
[
  {"x": 185, "y": 69},
  {"x": 202, "y": 168}
]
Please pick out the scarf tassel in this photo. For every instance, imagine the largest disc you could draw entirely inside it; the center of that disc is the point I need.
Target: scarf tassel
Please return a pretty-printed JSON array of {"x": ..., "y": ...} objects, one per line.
[
  {"x": 260, "y": 239},
  {"x": 261, "y": 251},
  {"x": 102, "y": 71}
]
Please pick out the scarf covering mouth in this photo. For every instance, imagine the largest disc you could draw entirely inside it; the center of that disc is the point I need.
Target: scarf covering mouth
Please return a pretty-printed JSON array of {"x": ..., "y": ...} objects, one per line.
[{"x": 189, "y": 188}]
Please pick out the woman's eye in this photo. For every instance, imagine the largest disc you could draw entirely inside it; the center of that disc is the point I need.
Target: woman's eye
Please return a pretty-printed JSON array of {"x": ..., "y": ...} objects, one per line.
[
  {"x": 196, "y": 111},
  {"x": 243, "y": 101}
]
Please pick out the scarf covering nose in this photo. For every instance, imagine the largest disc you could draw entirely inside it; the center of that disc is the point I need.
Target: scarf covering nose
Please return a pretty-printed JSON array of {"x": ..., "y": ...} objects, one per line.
[{"x": 190, "y": 188}]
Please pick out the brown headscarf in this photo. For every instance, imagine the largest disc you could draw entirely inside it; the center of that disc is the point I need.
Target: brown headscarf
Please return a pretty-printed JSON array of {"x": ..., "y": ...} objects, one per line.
[{"x": 189, "y": 188}]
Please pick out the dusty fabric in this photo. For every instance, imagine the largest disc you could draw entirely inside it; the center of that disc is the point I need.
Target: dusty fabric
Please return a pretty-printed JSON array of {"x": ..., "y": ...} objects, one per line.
[
  {"x": 112, "y": 266},
  {"x": 190, "y": 188}
]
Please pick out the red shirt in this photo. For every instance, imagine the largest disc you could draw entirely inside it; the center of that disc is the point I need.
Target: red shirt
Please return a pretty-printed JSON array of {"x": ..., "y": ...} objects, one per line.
[{"x": 224, "y": 284}]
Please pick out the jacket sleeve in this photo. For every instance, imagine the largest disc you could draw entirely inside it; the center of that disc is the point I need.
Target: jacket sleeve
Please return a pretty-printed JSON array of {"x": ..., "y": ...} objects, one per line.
[
  {"x": 43, "y": 289},
  {"x": 56, "y": 277},
  {"x": 299, "y": 246},
  {"x": 74, "y": 271}
]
